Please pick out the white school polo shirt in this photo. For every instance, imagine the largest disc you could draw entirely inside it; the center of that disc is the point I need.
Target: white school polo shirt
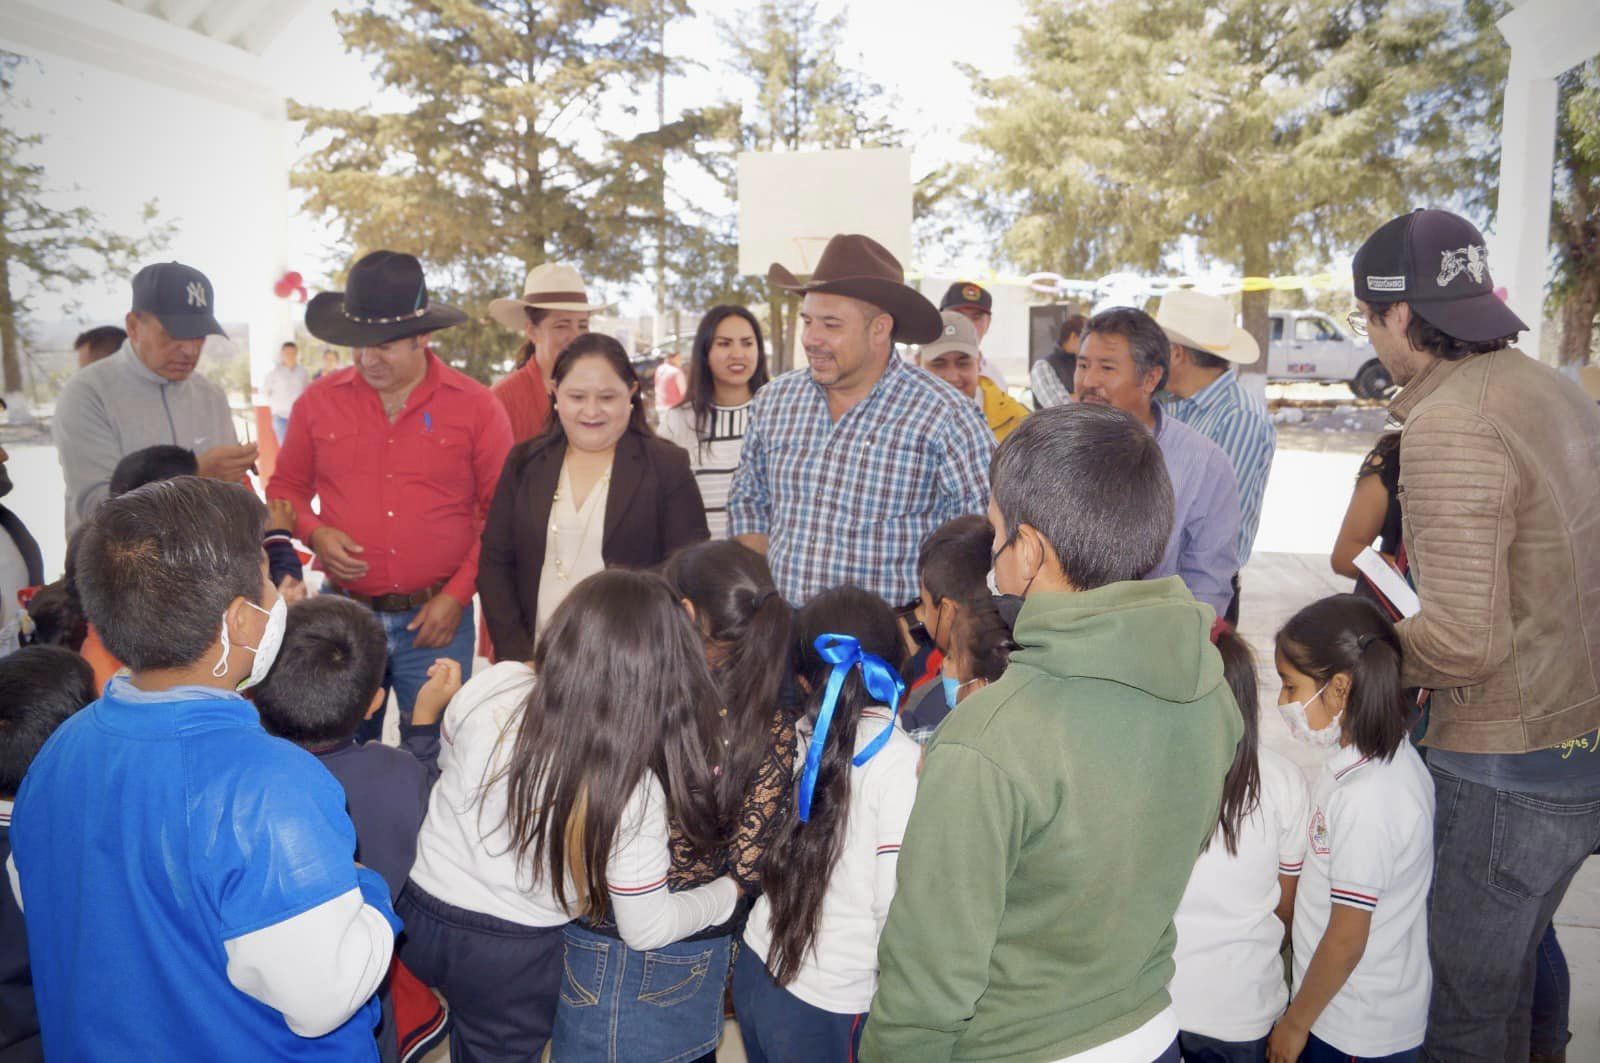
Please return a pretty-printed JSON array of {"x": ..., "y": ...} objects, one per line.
[
  {"x": 1370, "y": 846},
  {"x": 1229, "y": 979},
  {"x": 840, "y": 972}
]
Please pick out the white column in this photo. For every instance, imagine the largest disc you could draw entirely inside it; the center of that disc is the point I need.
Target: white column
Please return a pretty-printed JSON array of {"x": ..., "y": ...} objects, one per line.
[{"x": 1522, "y": 215}]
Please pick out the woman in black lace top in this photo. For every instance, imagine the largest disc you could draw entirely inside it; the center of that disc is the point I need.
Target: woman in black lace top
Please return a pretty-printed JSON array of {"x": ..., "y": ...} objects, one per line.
[{"x": 1374, "y": 512}]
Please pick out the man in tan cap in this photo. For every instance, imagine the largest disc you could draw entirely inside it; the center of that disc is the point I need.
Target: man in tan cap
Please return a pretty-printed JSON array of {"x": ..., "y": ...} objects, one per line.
[
  {"x": 1206, "y": 345},
  {"x": 553, "y": 311},
  {"x": 850, "y": 462},
  {"x": 954, "y": 358}
]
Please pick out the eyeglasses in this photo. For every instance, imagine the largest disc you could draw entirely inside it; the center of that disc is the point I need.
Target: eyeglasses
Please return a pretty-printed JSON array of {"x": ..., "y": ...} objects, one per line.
[{"x": 1357, "y": 320}]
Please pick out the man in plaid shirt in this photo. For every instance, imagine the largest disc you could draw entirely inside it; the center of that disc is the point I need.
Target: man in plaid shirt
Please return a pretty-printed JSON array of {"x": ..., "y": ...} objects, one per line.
[{"x": 850, "y": 463}]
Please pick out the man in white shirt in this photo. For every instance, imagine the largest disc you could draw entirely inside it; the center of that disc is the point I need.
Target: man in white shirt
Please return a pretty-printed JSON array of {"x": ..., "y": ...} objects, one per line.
[{"x": 283, "y": 386}]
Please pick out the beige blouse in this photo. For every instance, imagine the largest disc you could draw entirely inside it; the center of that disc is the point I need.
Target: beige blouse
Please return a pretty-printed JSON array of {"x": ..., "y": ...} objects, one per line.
[{"x": 572, "y": 545}]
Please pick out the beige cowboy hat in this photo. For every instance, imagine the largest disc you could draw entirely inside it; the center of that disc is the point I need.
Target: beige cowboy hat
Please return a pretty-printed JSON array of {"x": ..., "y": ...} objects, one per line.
[
  {"x": 861, "y": 268},
  {"x": 1205, "y": 323},
  {"x": 550, "y": 286},
  {"x": 1589, "y": 379}
]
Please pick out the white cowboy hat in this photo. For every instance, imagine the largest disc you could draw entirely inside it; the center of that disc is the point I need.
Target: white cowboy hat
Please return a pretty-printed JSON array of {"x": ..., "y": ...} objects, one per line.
[
  {"x": 550, "y": 286},
  {"x": 1589, "y": 379},
  {"x": 1205, "y": 323}
]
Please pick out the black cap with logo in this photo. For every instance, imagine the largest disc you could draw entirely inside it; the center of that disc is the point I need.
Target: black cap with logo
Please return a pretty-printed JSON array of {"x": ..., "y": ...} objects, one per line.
[
  {"x": 965, "y": 293},
  {"x": 1435, "y": 262},
  {"x": 180, "y": 297}
]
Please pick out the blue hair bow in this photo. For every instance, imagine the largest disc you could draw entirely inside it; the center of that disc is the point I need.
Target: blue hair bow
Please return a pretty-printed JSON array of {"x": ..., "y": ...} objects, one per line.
[{"x": 882, "y": 682}]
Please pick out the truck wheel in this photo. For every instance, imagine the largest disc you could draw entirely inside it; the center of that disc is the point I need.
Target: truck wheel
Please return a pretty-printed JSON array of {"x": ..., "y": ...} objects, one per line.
[{"x": 1373, "y": 381}]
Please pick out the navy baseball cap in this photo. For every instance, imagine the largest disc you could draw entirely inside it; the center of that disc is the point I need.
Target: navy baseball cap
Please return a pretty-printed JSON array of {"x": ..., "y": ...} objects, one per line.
[
  {"x": 180, "y": 297},
  {"x": 1437, "y": 263},
  {"x": 965, "y": 293}
]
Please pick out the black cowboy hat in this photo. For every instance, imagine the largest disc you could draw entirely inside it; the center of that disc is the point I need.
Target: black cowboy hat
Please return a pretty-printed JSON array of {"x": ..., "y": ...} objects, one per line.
[
  {"x": 861, "y": 268},
  {"x": 385, "y": 299}
]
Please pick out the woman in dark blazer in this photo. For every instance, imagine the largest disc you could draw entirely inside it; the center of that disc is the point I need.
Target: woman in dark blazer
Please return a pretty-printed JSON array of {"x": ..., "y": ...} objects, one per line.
[{"x": 598, "y": 489}]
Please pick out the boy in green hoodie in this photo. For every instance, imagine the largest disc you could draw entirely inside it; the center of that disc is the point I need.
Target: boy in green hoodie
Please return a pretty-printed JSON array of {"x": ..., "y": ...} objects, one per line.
[{"x": 1062, "y": 808}]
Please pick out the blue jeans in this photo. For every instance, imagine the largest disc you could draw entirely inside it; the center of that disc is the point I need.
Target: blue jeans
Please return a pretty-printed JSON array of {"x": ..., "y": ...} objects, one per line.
[
  {"x": 1502, "y": 863},
  {"x": 779, "y": 1027},
  {"x": 280, "y": 427},
  {"x": 408, "y": 666},
  {"x": 1198, "y": 1048},
  {"x": 625, "y": 1006},
  {"x": 1320, "y": 1051},
  {"x": 1552, "y": 996}
]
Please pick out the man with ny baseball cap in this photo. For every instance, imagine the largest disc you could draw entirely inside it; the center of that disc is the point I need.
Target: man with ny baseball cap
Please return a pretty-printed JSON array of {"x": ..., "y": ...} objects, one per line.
[
  {"x": 975, "y": 303},
  {"x": 954, "y": 357},
  {"x": 148, "y": 393},
  {"x": 1500, "y": 488}
]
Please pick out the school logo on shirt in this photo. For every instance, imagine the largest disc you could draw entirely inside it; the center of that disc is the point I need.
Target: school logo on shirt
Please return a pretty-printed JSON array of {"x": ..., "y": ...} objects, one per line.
[{"x": 1319, "y": 833}]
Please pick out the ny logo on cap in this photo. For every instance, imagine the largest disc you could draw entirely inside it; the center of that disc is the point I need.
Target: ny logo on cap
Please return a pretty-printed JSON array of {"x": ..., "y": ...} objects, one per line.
[
  {"x": 197, "y": 294},
  {"x": 1472, "y": 260}
]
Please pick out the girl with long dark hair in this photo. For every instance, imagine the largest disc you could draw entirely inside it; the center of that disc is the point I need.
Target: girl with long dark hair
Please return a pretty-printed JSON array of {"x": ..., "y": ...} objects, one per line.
[
  {"x": 728, "y": 367},
  {"x": 553, "y": 802},
  {"x": 727, "y": 591},
  {"x": 1362, "y": 980},
  {"x": 803, "y": 983},
  {"x": 597, "y": 489},
  {"x": 1228, "y": 988}
]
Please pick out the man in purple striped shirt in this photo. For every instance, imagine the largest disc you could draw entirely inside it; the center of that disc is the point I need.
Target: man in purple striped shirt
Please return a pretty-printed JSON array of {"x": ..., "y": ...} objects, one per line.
[{"x": 1123, "y": 362}]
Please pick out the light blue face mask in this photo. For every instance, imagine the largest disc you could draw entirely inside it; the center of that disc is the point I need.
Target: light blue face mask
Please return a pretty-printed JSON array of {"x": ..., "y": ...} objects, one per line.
[{"x": 952, "y": 690}]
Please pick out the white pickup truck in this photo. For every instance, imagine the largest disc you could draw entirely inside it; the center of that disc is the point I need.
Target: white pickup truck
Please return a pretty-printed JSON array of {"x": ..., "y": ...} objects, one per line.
[{"x": 1308, "y": 345}]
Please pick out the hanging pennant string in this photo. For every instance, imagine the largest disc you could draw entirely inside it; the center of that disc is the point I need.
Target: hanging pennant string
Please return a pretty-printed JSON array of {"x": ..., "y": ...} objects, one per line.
[
  {"x": 844, "y": 652},
  {"x": 1057, "y": 286}
]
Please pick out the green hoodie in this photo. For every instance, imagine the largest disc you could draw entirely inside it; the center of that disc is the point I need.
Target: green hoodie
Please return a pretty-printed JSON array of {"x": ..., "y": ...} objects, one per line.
[{"x": 1058, "y": 816}]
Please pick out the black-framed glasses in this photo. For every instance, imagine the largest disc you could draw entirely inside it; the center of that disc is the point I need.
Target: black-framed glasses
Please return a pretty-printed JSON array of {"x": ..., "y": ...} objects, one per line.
[{"x": 1357, "y": 320}]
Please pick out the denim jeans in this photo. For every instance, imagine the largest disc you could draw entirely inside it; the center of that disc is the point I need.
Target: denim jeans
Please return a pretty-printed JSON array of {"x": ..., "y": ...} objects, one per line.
[
  {"x": 1320, "y": 1051},
  {"x": 1198, "y": 1048},
  {"x": 408, "y": 666},
  {"x": 280, "y": 427},
  {"x": 1552, "y": 996},
  {"x": 1503, "y": 862},
  {"x": 619, "y": 1005}
]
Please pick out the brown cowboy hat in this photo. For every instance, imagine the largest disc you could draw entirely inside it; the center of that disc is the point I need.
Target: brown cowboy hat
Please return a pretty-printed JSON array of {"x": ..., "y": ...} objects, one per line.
[{"x": 861, "y": 268}]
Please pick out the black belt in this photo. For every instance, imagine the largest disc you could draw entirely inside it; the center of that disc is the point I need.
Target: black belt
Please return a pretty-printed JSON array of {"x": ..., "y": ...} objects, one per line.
[{"x": 391, "y": 603}]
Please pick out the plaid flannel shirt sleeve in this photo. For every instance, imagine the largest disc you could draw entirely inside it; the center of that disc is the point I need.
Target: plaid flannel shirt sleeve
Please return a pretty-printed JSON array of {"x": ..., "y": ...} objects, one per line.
[
  {"x": 749, "y": 504},
  {"x": 964, "y": 473}
]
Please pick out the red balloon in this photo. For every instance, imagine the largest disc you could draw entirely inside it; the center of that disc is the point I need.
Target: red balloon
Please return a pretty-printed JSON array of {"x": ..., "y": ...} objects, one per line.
[
  {"x": 283, "y": 288},
  {"x": 301, "y": 292},
  {"x": 294, "y": 279},
  {"x": 1500, "y": 293}
]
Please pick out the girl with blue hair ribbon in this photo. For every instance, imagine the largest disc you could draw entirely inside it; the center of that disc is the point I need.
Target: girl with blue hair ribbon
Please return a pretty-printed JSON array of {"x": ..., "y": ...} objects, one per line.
[{"x": 804, "y": 981}]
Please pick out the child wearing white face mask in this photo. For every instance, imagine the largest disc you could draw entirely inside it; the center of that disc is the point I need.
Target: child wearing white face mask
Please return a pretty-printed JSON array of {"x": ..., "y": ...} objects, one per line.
[{"x": 1361, "y": 974}]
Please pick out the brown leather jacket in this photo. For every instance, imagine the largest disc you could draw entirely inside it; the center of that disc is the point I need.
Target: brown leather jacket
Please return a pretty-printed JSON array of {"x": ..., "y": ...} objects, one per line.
[{"x": 1500, "y": 492}]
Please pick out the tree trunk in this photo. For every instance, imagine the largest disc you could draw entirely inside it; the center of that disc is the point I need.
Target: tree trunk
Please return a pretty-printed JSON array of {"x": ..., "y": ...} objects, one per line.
[
  {"x": 10, "y": 346},
  {"x": 1577, "y": 319},
  {"x": 1254, "y": 305}
]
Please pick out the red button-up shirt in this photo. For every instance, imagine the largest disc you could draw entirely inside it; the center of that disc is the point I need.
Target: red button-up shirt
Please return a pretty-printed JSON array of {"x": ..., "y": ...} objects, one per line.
[
  {"x": 526, "y": 398},
  {"x": 412, "y": 492}
]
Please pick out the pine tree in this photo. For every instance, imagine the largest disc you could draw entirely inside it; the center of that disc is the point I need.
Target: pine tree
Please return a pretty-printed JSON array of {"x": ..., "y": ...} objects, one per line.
[
  {"x": 491, "y": 150},
  {"x": 1274, "y": 133},
  {"x": 1575, "y": 221}
]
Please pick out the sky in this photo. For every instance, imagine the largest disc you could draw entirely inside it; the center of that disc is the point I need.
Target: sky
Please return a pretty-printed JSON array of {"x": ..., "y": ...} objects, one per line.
[{"x": 113, "y": 143}]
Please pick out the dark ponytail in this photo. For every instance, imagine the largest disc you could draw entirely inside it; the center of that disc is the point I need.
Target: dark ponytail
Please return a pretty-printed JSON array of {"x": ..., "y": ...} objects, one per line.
[
  {"x": 1241, "y": 788},
  {"x": 746, "y": 623},
  {"x": 802, "y": 856},
  {"x": 1348, "y": 634}
]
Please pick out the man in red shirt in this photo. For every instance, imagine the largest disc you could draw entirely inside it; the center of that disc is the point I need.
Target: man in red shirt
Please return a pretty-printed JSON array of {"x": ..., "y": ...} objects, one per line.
[
  {"x": 553, "y": 311},
  {"x": 403, "y": 454}
]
